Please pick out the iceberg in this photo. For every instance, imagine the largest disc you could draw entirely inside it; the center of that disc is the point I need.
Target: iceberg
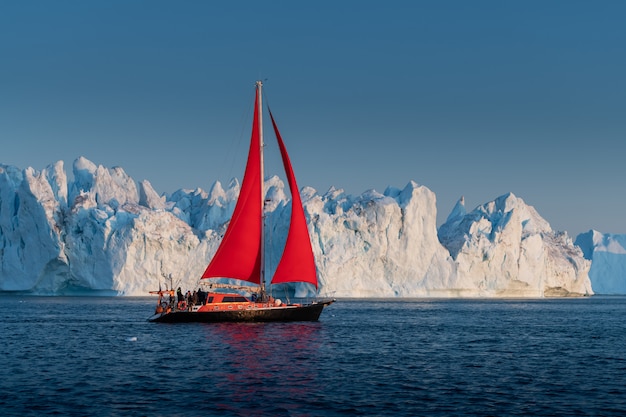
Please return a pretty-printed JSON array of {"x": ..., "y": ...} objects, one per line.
[
  {"x": 103, "y": 232},
  {"x": 608, "y": 255},
  {"x": 505, "y": 248}
]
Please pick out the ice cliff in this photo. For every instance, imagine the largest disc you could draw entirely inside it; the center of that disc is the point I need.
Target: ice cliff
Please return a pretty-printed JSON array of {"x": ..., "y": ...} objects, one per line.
[
  {"x": 608, "y": 255},
  {"x": 104, "y": 232},
  {"x": 506, "y": 248}
]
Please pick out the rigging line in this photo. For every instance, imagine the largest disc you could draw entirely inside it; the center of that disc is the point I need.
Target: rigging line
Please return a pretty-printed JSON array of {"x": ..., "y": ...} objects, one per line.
[{"x": 233, "y": 154}]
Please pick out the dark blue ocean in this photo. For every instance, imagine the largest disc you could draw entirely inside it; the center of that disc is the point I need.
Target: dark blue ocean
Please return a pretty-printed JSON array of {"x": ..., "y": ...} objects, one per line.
[{"x": 98, "y": 356}]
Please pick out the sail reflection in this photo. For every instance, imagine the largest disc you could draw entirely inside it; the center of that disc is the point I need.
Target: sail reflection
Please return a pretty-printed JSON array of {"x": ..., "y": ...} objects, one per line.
[{"x": 265, "y": 364}]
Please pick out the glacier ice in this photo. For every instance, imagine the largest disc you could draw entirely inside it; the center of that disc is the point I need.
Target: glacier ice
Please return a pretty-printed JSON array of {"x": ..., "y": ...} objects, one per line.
[
  {"x": 608, "y": 255},
  {"x": 104, "y": 232},
  {"x": 506, "y": 248}
]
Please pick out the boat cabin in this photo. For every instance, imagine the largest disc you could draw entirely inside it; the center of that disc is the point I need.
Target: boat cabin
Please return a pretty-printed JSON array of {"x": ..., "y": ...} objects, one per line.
[{"x": 225, "y": 298}]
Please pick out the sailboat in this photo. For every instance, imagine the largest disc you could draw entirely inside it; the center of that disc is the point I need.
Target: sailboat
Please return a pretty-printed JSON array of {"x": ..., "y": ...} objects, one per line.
[{"x": 241, "y": 254}]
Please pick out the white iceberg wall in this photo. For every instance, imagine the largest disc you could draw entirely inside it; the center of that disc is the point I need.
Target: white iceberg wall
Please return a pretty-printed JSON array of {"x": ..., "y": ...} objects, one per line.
[
  {"x": 31, "y": 215},
  {"x": 504, "y": 248},
  {"x": 608, "y": 255},
  {"x": 378, "y": 245},
  {"x": 91, "y": 232},
  {"x": 102, "y": 232},
  {"x": 98, "y": 225},
  {"x": 156, "y": 247},
  {"x": 116, "y": 244}
]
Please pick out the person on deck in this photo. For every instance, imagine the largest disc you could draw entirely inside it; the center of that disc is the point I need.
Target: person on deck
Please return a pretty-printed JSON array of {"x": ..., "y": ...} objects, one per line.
[
  {"x": 201, "y": 296},
  {"x": 179, "y": 297}
]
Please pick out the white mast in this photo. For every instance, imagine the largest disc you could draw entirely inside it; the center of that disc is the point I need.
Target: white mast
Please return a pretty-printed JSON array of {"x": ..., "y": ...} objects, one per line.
[{"x": 259, "y": 86}]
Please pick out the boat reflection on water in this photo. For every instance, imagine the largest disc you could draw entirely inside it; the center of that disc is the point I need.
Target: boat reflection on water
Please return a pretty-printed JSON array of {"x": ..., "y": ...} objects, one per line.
[{"x": 254, "y": 367}]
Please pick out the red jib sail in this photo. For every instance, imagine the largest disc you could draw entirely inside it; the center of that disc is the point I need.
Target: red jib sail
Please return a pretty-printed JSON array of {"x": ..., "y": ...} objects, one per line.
[
  {"x": 297, "y": 263},
  {"x": 239, "y": 254}
]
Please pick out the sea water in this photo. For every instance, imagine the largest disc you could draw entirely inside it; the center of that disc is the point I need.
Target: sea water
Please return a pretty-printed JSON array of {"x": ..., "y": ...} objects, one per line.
[{"x": 99, "y": 356}]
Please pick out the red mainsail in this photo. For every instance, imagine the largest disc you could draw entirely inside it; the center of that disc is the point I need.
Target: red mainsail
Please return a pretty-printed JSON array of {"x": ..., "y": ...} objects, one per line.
[{"x": 239, "y": 254}]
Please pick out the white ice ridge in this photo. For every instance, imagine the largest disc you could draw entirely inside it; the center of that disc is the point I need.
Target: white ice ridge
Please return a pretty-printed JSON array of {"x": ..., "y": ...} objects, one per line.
[{"x": 104, "y": 232}]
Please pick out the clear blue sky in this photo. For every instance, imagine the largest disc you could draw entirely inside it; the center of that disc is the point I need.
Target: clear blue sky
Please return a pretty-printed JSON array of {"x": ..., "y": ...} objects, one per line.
[{"x": 473, "y": 98}]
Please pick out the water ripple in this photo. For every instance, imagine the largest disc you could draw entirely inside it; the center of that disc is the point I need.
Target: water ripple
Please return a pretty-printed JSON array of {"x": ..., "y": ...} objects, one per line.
[{"x": 99, "y": 356}]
